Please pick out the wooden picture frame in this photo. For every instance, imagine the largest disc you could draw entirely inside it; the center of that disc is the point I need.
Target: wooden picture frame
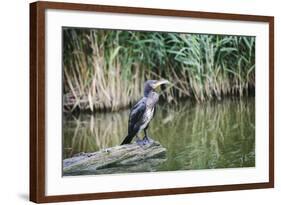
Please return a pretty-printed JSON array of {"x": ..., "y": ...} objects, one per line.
[{"x": 38, "y": 104}]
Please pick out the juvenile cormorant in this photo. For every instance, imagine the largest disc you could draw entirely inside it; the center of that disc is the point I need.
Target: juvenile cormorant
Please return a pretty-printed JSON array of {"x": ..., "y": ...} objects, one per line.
[{"x": 143, "y": 111}]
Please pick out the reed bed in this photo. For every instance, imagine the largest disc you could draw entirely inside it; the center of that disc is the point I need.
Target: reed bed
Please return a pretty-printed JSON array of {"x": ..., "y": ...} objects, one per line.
[{"x": 106, "y": 69}]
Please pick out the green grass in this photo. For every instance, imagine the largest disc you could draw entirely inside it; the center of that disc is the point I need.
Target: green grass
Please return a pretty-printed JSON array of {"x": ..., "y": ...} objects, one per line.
[{"x": 105, "y": 69}]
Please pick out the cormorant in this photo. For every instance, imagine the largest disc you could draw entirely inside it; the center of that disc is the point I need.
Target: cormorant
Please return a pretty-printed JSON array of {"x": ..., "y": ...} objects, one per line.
[{"x": 143, "y": 111}]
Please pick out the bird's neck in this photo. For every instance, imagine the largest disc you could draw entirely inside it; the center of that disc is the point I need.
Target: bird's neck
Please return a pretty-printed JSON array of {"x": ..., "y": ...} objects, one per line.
[
  {"x": 146, "y": 93},
  {"x": 152, "y": 99},
  {"x": 150, "y": 93}
]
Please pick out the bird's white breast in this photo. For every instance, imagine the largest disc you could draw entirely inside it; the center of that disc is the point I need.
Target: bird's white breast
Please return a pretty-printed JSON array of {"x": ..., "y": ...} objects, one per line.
[{"x": 147, "y": 117}]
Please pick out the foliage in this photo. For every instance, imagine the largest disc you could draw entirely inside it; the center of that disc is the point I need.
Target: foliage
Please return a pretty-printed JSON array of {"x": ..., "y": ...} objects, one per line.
[{"x": 105, "y": 69}]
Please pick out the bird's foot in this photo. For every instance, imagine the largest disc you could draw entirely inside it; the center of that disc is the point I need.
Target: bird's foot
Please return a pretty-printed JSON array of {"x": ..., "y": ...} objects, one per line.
[
  {"x": 143, "y": 142},
  {"x": 139, "y": 142},
  {"x": 146, "y": 140}
]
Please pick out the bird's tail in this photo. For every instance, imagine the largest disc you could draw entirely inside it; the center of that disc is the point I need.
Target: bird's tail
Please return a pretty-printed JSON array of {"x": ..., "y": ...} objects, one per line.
[{"x": 127, "y": 140}]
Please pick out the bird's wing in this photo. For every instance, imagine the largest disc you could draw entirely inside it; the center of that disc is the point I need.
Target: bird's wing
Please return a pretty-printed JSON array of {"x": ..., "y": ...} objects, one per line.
[{"x": 136, "y": 113}]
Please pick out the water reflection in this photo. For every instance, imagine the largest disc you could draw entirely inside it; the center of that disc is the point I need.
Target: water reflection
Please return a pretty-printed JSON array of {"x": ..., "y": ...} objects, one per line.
[{"x": 197, "y": 136}]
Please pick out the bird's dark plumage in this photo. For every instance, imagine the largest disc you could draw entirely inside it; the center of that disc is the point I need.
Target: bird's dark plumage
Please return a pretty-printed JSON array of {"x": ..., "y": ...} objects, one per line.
[
  {"x": 143, "y": 111},
  {"x": 134, "y": 120}
]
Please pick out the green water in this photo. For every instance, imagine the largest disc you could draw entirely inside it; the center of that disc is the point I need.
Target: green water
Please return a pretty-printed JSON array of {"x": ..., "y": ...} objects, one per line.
[{"x": 197, "y": 136}]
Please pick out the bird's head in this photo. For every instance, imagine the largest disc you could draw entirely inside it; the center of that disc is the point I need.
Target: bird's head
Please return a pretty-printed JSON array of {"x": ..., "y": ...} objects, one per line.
[{"x": 152, "y": 85}]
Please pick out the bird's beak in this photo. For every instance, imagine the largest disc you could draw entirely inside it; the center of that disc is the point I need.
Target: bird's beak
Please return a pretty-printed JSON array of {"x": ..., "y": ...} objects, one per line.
[{"x": 160, "y": 82}]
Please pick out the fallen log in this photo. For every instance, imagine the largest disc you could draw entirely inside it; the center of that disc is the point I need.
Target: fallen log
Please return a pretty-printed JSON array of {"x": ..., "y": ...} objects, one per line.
[{"x": 118, "y": 159}]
